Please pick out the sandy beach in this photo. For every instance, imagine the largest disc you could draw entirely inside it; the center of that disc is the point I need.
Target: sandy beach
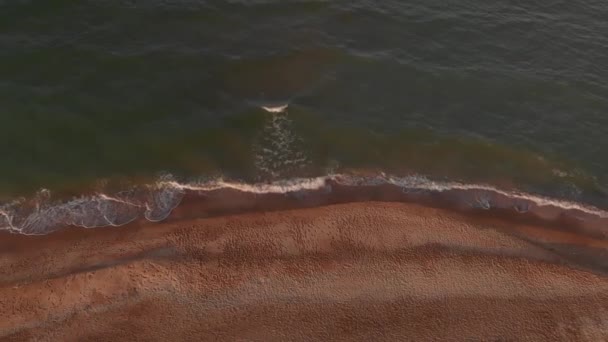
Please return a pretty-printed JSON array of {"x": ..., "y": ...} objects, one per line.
[
  {"x": 303, "y": 170},
  {"x": 359, "y": 271}
]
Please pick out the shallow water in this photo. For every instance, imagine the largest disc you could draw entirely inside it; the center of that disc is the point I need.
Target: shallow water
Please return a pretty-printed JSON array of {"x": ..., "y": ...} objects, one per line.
[{"x": 111, "y": 96}]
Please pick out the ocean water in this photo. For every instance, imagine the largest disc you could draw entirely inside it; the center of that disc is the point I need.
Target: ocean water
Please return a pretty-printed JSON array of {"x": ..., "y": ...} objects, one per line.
[{"x": 111, "y": 110}]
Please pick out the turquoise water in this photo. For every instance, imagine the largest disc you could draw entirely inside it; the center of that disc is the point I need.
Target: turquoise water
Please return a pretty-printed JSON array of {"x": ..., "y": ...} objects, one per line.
[{"x": 99, "y": 96}]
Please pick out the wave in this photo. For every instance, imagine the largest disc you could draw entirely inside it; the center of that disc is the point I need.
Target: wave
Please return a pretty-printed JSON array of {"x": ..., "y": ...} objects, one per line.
[
  {"x": 158, "y": 201},
  {"x": 42, "y": 216},
  {"x": 275, "y": 108}
]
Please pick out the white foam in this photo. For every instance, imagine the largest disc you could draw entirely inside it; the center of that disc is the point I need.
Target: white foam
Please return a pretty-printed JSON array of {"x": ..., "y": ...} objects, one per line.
[
  {"x": 275, "y": 109},
  {"x": 159, "y": 200},
  {"x": 414, "y": 182},
  {"x": 161, "y": 203},
  {"x": 276, "y": 187},
  {"x": 423, "y": 183}
]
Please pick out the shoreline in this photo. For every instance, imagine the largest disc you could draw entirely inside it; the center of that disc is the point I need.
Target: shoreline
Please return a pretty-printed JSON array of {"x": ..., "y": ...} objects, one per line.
[
  {"x": 229, "y": 201},
  {"x": 171, "y": 201},
  {"x": 590, "y": 252}
]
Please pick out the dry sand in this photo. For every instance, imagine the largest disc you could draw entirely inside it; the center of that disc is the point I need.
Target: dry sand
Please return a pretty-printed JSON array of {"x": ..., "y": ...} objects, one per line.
[{"x": 364, "y": 271}]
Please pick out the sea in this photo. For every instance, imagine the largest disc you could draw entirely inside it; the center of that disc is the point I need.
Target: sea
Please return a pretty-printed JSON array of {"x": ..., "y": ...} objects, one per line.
[{"x": 113, "y": 110}]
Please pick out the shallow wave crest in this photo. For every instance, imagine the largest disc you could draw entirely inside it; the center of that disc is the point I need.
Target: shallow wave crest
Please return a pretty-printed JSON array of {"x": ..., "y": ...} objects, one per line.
[{"x": 155, "y": 202}]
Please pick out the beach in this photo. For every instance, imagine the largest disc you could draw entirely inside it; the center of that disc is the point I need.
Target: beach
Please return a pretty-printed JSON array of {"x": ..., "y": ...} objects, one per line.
[
  {"x": 271, "y": 170},
  {"x": 350, "y": 271}
]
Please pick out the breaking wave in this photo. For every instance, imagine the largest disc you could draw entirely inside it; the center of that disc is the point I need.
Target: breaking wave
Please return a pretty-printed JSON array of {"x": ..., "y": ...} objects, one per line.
[{"x": 156, "y": 202}]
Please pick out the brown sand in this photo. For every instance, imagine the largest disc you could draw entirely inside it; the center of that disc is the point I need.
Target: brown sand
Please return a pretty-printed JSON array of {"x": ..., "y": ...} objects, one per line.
[{"x": 364, "y": 271}]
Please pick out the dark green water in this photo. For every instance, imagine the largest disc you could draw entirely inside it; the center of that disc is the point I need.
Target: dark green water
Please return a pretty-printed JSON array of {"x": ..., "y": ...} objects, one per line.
[{"x": 511, "y": 93}]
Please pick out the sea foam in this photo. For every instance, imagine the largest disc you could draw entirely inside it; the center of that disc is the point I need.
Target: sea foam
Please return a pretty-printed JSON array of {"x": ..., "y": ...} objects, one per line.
[{"x": 155, "y": 202}]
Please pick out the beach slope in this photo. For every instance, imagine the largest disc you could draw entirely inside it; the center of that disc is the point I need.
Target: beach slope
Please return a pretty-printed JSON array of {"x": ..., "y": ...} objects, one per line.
[{"x": 359, "y": 271}]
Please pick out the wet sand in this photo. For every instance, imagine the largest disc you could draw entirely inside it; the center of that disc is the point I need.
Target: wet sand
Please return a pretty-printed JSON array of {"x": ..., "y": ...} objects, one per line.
[{"x": 358, "y": 271}]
